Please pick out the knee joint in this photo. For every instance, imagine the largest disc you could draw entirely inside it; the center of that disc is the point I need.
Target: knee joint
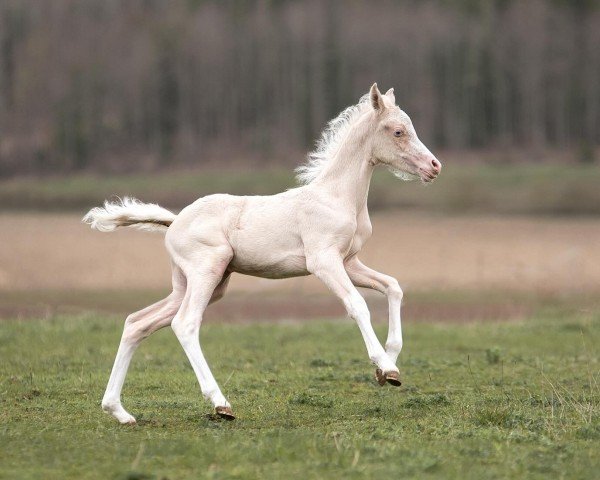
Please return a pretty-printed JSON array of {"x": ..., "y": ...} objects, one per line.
[
  {"x": 131, "y": 333},
  {"x": 357, "y": 307},
  {"x": 130, "y": 320},
  {"x": 394, "y": 290}
]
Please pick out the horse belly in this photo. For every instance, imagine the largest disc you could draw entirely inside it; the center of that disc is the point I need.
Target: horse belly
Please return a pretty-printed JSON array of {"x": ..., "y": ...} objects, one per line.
[
  {"x": 266, "y": 251},
  {"x": 269, "y": 265},
  {"x": 265, "y": 239}
]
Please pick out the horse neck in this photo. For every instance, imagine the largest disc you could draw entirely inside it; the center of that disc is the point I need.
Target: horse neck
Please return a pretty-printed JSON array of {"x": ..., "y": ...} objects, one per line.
[{"x": 348, "y": 174}]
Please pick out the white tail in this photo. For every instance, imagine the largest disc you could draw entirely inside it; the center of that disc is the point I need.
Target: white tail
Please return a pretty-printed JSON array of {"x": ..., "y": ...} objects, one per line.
[{"x": 129, "y": 212}]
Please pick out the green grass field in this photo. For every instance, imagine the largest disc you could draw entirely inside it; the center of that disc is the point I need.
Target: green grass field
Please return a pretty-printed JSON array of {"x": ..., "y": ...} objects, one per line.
[
  {"x": 501, "y": 400},
  {"x": 464, "y": 188}
]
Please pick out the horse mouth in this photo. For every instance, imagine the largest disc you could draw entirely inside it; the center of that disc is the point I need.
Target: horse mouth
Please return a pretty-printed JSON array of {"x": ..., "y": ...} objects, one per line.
[
  {"x": 403, "y": 174},
  {"x": 427, "y": 176}
]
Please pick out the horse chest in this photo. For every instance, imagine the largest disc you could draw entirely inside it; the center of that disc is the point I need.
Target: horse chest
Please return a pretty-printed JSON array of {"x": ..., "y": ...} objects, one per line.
[{"x": 361, "y": 236}]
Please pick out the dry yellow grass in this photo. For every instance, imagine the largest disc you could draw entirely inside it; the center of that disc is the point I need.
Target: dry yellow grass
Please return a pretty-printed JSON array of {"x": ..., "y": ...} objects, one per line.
[{"x": 57, "y": 252}]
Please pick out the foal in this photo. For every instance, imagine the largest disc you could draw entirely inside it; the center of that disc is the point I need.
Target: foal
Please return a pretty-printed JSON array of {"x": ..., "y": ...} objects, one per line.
[{"x": 317, "y": 228}]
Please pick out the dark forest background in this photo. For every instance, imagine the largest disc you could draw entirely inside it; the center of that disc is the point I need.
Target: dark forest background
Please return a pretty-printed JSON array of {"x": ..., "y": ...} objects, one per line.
[{"x": 107, "y": 85}]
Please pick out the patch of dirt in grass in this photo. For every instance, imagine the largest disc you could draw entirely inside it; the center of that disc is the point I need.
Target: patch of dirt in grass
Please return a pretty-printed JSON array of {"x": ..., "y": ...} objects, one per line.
[
  {"x": 51, "y": 263},
  {"x": 424, "y": 251}
]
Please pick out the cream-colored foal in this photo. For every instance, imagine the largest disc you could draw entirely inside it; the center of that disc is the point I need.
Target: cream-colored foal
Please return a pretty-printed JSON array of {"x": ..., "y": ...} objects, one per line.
[{"x": 317, "y": 228}]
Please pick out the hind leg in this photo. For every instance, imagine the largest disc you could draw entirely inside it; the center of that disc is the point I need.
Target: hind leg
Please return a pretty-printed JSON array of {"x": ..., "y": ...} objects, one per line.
[
  {"x": 138, "y": 326},
  {"x": 202, "y": 282}
]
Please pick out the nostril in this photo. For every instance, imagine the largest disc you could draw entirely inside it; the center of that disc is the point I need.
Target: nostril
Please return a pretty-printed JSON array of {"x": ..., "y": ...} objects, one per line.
[{"x": 437, "y": 166}]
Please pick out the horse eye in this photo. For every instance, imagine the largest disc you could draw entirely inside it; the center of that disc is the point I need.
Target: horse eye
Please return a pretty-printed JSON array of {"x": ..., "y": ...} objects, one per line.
[{"x": 398, "y": 133}]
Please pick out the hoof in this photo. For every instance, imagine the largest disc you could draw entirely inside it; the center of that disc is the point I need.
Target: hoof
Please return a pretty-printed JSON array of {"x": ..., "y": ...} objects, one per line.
[
  {"x": 117, "y": 411},
  {"x": 391, "y": 377},
  {"x": 225, "y": 412}
]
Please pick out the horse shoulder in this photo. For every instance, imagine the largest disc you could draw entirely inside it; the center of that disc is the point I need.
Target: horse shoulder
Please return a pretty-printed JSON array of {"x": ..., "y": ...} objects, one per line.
[{"x": 323, "y": 226}]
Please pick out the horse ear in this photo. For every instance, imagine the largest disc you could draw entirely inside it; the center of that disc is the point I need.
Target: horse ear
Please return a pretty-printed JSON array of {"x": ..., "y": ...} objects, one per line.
[
  {"x": 376, "y": 99},
  {"x": 391, "y": 96}
]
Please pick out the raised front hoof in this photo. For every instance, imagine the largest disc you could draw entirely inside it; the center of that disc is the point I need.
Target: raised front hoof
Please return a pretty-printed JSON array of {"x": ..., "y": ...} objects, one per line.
[
  {"x": 225, "y": 412},
  {"x": 391, "y": 377}
]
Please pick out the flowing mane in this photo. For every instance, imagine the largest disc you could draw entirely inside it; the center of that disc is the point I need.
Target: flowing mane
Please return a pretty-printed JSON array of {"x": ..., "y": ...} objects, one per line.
[{"x": 332, "y": 137}]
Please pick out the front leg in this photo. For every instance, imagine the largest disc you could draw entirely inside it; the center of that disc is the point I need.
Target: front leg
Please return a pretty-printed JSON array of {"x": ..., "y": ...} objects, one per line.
[
  {"x": 363, "y": 276},
  {"x": 329, "y": 268}
]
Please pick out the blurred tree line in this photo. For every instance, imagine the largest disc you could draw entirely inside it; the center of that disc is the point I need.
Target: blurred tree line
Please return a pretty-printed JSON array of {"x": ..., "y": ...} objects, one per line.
[{"x": 144, "y": 84}]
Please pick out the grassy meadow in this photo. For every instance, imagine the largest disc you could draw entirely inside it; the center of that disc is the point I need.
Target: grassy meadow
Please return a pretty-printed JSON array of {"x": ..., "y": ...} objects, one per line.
[
  {"x": 502, "y": 386},
  {"x": 483, "y": 400},
  {"x": 523, "y": 188}
]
